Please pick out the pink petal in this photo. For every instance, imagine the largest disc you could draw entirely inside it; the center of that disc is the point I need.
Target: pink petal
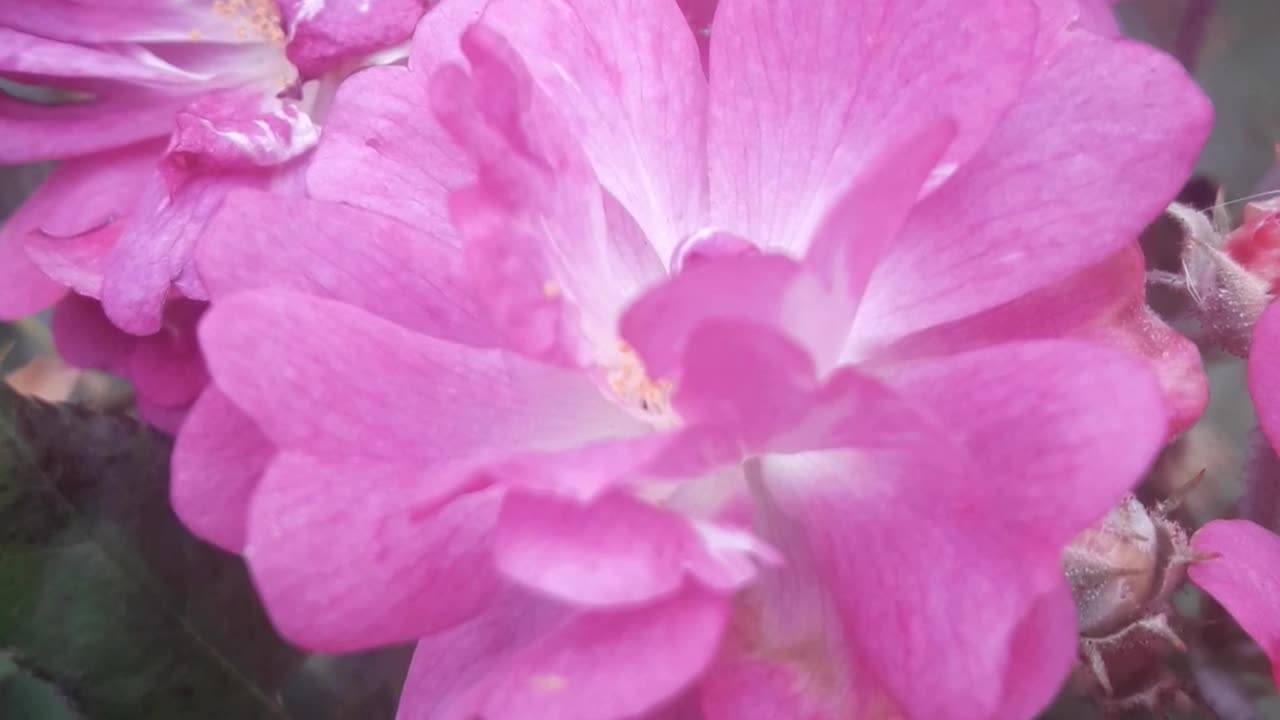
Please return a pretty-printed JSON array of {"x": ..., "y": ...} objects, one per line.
[
  {"x": 988, "y": 522},
  {"x": 628, "y": 80},
  {"x": 535, "y": 221},
  {"x": 393, "y": 270},
  {"x": 802, "y": 93},
  {"x": 68, "y": 225},
  {"x": 154, "y": 250},
  {"x": 217, "y": 461},
  {"x": 1106, "y": 303},
  {"x": 447, "y": 665},
  {"x": 603, "y": 665},
  {"x": 1043, "y": 197},
  {"x": 617, "y": 550},
  {"x": 74, "y": 20},
  {"x": 380, "y": 138},
  {"x": 340, "y": 33},
  {"x": 390, "y": 567},
  {"x": 167, "y": 368},
  {"x": 769, "y": 290},
  {"x": 1264, "y": 372},
  {"x": 39, "y": 60},
  {"x": 355, "y": 385},
  {"x": 1243, "y": 575},
  {"x": 36, "y": 133},
  {"x": 699, "y": 14}
]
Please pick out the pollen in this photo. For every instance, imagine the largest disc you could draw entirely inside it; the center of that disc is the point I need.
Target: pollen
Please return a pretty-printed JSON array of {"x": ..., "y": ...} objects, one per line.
[
  {"x": 194, "y": 35},
  {"x": 551, "y": 289},
  {"x": 549, "y": 683},
  {"x": 633, "y": 386},
  {"x": 259, "y": 19}
]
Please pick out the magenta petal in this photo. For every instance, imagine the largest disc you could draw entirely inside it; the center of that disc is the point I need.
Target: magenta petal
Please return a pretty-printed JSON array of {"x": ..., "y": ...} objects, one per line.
[
  {"x": 217, "y": 461},
  {"x": 360, "y": 386},
  {"x": 393, "y": 564},
  {"x": 167, "y": 368},
  {"x": 332, "y": 250},
  {"x": 1243, "y": 575},
  {"x": 803, "y": 92},
  {"x": 627, "y": 78},
  {"x": 85, "y": 337},
  {"x": 605, "y": 665},
  {"x": 1264, "y": 372},
  {"x": 24, "y": 289},
  {"x": 1043, "y": 197}
]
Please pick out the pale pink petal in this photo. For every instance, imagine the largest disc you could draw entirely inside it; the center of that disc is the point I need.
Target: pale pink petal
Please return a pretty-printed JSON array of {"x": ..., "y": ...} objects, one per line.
[
  {"x": 1042, "y": 198},
  {"x": 604, "y": 665},
  {"x": 37, "y": 60},
  {"x": 342, "y": 32},
  {"x": 393, "y": 564},
  {"x": 535, "y": 224},
  {"x": 628, "y": 80},
  {"x": 75, "y": 263},
  {"x": 265, "y": 240},
  {"x": 360, "y": 386},
  {"x": 1264, "y": 372},
  {"x": 617, "y": 550},
  {"x": 217, "y": 461},
  {"x": 867, "y": 216},
  {"x": 1107, "y": 303},
  {"x": 802, "y": 93},
  {"x": 1243, "y": 574},
  {"x": 769, "y": 290}
]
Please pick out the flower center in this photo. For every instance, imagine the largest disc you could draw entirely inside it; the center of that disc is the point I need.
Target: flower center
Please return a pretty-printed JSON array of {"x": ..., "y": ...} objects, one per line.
[
  {"x": 259, "y": 19},
  {"x": 632, "y": 387}
]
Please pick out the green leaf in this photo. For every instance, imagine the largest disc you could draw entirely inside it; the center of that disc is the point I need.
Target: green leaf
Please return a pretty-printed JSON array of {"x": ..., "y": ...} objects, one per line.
[
  {"x": 24, "y": 695},
  {"x": 104, "y": 591}
]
